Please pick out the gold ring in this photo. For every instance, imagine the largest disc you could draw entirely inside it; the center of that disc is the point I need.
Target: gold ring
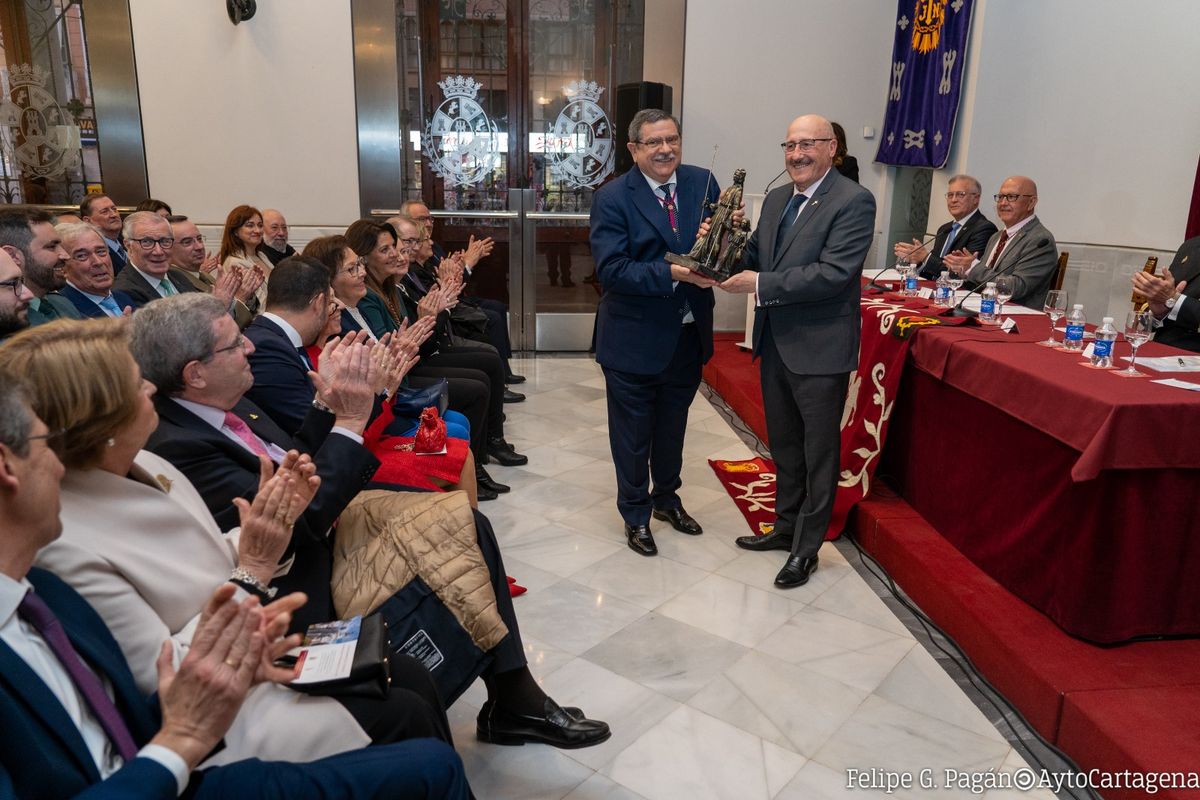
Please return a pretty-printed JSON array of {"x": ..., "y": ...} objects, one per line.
[{"x": 229, "y": 662}]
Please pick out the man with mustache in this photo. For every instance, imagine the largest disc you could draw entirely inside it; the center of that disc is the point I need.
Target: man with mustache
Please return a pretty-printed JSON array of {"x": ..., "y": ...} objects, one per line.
[
  {"x": 809, "y": 247},
  {"x": 654, "y": 321},
  {"x": 30, "y": 240},
  {"x": 275, "y": 237}
]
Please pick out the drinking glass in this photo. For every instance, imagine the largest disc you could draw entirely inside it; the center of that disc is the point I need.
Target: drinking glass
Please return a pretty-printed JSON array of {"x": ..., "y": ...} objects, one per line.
[
  {"x": 904, "y": 269},
  {"x": 1005, "y": 286},
  {"x": 1138, "y": 327},
  {"x": 956, "y": 282},
  {"x": 1055, "y": 307}
]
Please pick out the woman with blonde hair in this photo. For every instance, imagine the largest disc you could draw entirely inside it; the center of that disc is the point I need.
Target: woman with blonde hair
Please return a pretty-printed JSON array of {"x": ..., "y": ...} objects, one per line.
[{"x": 140, "y": 545}]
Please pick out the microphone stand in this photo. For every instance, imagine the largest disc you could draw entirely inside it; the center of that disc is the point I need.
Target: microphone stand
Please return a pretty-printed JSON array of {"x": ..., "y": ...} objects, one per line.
[{"x": 874, "y": 287}]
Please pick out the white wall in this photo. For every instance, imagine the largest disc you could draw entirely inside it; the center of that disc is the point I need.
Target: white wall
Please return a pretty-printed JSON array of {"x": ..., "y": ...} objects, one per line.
[
  {"x": 662, "y": 59},
  {"x": 261, "y": 113},
  {"x": 751, "y": 69}
]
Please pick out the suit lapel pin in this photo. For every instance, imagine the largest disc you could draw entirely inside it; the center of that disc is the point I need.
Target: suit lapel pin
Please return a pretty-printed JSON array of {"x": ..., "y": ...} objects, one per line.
[
  {"x": 253, "y": 416},
  {"x": 816, "y": 203}
]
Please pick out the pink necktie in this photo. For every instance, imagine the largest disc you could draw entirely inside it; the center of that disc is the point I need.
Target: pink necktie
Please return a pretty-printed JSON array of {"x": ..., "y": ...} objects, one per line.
[{"x": 241, "y": 430}]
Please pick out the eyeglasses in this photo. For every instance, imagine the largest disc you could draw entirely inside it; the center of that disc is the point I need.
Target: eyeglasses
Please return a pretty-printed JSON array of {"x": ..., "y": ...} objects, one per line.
[
  {"x": 803, "y": 145},
  {"x": 659, "y": 141},
  {"x": 238, "y": 344},
  {"x": 960, "y": 195},
  {"x": 1010, "y": 198},
  {"x": 428, "y": 220},
  {"x": 424, "y": 239},
  {"x": 356, "y": 267},
  {"x": 147, "y": 243},
  {"x": 84, "y": 256},
  {"x": 409, "y": 242},
  {"x": 16, "y": 284},
  {"x": 48, "y": 436},
  {"x": 188, "y": 241}
]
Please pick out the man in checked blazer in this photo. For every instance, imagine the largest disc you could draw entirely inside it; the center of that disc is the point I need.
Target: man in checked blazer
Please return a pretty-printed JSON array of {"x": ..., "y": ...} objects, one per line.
[
  {"x": 1023, "y": 248},
  {"x": 808, "y": 250}
]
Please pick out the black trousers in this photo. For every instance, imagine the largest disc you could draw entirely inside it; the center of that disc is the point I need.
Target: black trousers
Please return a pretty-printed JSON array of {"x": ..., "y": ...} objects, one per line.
[
  {"x": 804, "y": 415},
  {"x": 647, "y": 417},
  {"x": 485, "y": 360},
  {"x": 412, "y": 709},
  {"x": 510, "y": 653}
]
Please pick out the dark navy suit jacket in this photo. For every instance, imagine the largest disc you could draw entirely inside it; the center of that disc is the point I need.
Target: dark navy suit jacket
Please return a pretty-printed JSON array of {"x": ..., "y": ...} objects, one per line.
[
  {"x": 638, "y": 320},
  {"x": 88, "y": 308},
  {"x": 133, "y": 284},
  {"x": 44, "y": 755},
  {"x": 973, "y": 236},
  {"x": 281, "y": 383},
  {"x": 222, "y": 469}
]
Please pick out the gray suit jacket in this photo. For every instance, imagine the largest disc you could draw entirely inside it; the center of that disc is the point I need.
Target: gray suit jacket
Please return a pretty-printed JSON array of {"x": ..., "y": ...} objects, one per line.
[
  {"x": 1031, "y": 256},
  {"x": 810, "y": 292}
]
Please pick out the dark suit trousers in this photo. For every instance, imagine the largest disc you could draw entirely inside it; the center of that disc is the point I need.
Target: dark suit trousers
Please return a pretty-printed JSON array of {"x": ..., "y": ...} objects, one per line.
[
  {"x": 421, "y": 768},
  {"x": 804, "y": 415},
  {"x": 647, "y": 417},
  {"x": 497, "y": 314},
  {"x": 510, "y": 653},
  {"x": 412, "y": 709}
]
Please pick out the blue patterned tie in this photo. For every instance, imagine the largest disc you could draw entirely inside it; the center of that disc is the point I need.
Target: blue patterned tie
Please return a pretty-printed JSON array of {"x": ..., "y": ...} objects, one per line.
[
  {"x": 109, "y": 304},
  {"x": 787, "y": 220},
  {"x": 954, "y": 229}
]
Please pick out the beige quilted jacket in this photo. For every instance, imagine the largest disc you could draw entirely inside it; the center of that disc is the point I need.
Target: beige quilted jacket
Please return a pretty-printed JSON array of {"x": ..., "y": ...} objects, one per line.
[{"x": 385, "y": 539}]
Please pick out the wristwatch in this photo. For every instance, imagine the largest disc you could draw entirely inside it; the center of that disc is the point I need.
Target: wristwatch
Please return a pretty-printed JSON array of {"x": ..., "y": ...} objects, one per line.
[
  {"x": 1171, "y": 301},
  {"x": 244, "y": 579}
]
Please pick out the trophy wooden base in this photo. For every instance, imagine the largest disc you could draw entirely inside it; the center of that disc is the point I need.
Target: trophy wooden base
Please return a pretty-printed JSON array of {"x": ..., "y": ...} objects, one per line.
[{"x": 695, "y": 266}]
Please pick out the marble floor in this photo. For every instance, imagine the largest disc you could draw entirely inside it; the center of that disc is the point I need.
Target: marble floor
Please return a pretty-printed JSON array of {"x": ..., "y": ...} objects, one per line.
[{"x": 716, "y": 684}]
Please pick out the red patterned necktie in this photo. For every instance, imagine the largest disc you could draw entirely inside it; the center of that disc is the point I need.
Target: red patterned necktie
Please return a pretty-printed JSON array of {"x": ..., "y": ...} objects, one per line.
[
  {"x": 668, "y": 202},
  {"x": 999, "y": 248},
  {"x": 242, "y": 431}
]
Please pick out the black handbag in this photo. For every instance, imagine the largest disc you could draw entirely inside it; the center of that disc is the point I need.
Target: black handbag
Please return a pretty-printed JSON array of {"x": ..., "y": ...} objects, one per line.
[
  {"x": 369, "y": 675},
  {"x": 409, "y": 402}
]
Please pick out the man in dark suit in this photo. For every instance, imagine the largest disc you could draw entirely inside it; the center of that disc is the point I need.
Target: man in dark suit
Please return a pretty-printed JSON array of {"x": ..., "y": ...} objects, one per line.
[
  {"x": 149, "y": 275},
  {"x": 74, "y": 721},
  {"x": 1024, "y": 249},
  {"x": 967, "y": 232},
  {"x": 654, "y": 321},
  {"x": 89, "y": 278},
  {"x": 809, "y": 247},
  {"x": 14, "y": 298},
  {"x": 190, "y": 262},
  {"x": 101, "y": 211},
  {"x": 1175, "y": 298},
  {"x": 191, "y": 350},
  {"x": 30, "y": 239}
]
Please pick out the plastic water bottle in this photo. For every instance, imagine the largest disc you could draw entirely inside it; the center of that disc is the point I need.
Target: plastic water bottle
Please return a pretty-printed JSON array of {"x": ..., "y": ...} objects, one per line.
[
  {"x": 910, "y": 281},
  {"x": 1102, "y": 349},
  {"x": 987, "y": 303},
  {"x": 941, "y": 296},
  {"x": 1073, "y": 338}
]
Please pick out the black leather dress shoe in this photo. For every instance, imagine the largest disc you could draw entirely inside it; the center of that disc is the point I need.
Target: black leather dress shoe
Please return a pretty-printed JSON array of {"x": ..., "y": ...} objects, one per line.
[
  {"x": 554, "y": 727},
  {"x": 503, "y": 453},
  {"x": 483, "y": 493},
  {"x": 514, "y": 378},
  {"x": 485, "y": 481},
  {"x": 680, "y": 520},
  {"x": 640, "y": 540},
  {"x": 795, "y": 572},
  {"x": 772, "y": 541},
  {"x": 513, "y": 397}
]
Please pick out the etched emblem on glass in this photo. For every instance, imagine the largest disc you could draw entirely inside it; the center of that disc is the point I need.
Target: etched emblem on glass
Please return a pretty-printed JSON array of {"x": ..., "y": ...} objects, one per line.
[
  {"x": 460, "y": 141},
  {"x": 582, "y": 151},
  {"x": 42, "y": 137}
]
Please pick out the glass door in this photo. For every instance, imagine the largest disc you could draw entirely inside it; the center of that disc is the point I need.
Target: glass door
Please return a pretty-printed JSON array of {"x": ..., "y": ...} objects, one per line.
[{"x": 506, "y": 129}]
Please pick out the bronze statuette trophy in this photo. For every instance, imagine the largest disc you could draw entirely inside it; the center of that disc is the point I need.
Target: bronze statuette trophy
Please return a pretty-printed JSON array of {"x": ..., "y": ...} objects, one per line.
[{"x": 706, "y": 256}]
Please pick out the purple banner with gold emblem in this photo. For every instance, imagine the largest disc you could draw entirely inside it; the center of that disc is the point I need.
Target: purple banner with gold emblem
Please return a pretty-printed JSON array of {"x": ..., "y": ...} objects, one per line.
[{"x": 925, "y": 82}]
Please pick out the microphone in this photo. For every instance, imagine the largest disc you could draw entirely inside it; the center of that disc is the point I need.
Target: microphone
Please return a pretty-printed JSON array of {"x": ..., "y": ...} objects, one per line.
[
  {"x": 874, "y": 287},
  {"x": 772, "y": 183},
  {"x": 959, "y": 311}
]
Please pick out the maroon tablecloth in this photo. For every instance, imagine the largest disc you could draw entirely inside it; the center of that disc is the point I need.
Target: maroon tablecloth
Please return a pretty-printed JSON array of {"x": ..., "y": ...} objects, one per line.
[{"x": 1072, "y": 487}]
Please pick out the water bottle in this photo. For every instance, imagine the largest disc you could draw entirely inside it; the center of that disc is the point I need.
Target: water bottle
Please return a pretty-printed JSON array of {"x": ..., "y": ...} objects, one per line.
[
  {"x": 910, "y": 282},
  {"x": 1073, "y": 338},
  {"x": 942, "y": 295},
  {"x": 987, "y": 303},
  {"x": 1102, "y": 350}
]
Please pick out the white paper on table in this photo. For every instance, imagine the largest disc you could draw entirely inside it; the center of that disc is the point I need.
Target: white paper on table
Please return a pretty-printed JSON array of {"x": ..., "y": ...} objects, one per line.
[
  {"x": 1169, "y": 363},
  {"x": 973, "y": 302},
  {"x": 1178, "y": 384}
]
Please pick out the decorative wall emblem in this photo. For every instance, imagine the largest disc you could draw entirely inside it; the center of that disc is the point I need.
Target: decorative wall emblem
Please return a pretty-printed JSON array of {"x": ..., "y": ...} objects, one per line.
[
  {"x": 928, "y": 18},
  {"x": 42, "y": 137},
  {"x": 582, "y": 154},
  {"x": 460, "y": 141}
]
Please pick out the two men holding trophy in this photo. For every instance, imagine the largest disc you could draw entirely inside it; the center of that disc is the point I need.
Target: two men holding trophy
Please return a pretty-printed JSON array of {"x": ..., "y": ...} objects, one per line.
[{"x": 657, "y": 264}]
